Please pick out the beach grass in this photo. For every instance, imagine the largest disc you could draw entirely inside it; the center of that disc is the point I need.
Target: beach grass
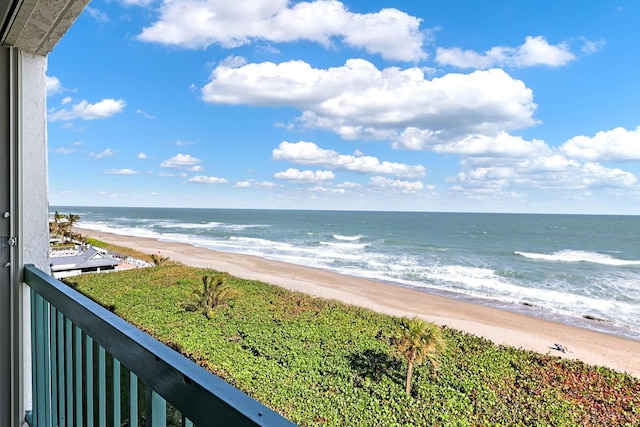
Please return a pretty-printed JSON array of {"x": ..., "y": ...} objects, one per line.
[{"x": 324, "y": 363}]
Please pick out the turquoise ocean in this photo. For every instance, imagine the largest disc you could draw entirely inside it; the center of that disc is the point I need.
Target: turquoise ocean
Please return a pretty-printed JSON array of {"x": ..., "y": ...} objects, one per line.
[{"x": 581, "y": 270}]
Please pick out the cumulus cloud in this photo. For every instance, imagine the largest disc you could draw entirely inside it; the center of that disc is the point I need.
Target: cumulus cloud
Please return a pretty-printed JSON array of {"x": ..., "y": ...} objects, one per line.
[
  {"x": 307, "y": 176},
  {"x": 53, "y": 85},
  {"x": 551, "y": 172},
  {"x": 197, "y": 24},
  {"x": 500, "y": 145},
  {"x": 396, "y": 185},
  {"x": 308, "y": 153},
  {"x": 141, "y": 156},
  {"x": 358, "y": 100},
  {"x": 616, "y": 145},
  {"x": 108, "y": 152},
  {"x": 533, "y": 52},
  {"x": 251, "y": 183},
  {"x": 86, "y": 111},
  {"x": 121, "y": 172},
  {"x": 201, "y": 179},
  {"x": 181, "y": 161}
]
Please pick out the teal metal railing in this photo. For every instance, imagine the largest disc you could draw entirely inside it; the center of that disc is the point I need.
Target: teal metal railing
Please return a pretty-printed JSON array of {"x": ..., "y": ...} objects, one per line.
[{"x": 91, "y": 368}]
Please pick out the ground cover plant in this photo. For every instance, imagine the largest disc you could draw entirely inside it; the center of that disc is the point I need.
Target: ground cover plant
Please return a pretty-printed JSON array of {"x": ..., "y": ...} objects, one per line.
[{"x": 323, "y": 363}]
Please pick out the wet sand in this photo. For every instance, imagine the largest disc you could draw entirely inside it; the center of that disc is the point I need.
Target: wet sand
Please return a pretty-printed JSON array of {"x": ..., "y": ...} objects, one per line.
[{"x": 500, "y": 326}]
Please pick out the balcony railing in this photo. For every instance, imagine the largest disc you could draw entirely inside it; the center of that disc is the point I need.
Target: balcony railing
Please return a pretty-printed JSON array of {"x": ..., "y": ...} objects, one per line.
[{"x": 91, "y": 368}]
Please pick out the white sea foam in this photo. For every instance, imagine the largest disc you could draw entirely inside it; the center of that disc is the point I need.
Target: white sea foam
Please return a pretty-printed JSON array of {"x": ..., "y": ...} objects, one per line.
[
  {"x": 191, "y": 226},
  {"x": 344, "y": 246},
  {"x": 568, "y": 255},
  {"x": 348, "y": 238}
]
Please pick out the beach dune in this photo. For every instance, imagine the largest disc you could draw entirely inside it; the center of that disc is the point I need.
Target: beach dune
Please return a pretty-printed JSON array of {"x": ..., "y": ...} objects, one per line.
[{"x": 500, "y": 326}]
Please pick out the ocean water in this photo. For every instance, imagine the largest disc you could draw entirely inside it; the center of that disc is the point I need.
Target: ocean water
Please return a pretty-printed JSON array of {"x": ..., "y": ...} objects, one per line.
[{"x": 581, "y": 270}]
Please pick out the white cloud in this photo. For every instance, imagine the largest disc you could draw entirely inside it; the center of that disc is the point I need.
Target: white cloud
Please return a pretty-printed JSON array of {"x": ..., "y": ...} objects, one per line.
[
  {"x": 307, "y": 176},
  {"x": 145, "y": 114},
  {"x": 197, "y": 24},
  {"x": 359, "y": 101},
  {"x": 589, "y": 46},
  {"x": 396, "y": 185},
  {"x": 85, "y": 111},
  {"x": 180, "y": 161},
  {"x": 96, "y": 14},
  {"x": 308, "y": 153},
  {"x": 535, "y": 51},
  {"x": 501, "y": 145},
  {"x": 62, "y": 150},
  {"x": 200, "y": 179},
  {"x": 321, "y": 189},
  {"x": 251, "y": 183},
  {"x": 108, "y": 152},
  {"x": 553, "y": 172},
  {"x": 53, "y": 85},
  {"x": 349, "y": 185},
  {"x": 137, "y": 2},
  {"x": 616, "y": 145},
  {"x": 180, "y": 143},
  {"x": 66, "y": 100},
  {"x": 121, "y": 172},
  {"x": 141, "y": 155},
  {"x": 171, "y": 175}
]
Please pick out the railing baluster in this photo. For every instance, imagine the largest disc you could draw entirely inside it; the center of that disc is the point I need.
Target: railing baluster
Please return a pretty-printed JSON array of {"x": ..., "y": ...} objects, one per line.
[
  {"x": 158, "y": 410},
  {"x": 69, "y": 370},
  {"x": 46, "y": 355},
  {"x": 89, "y": 373},
  {"x": 53, "y": 342},
  {"x": 61, "y": 375},
  {"x": 117, "y": 420},
  {"x": 78, "y": 374},
  {"x": 39, "y": 361},
  {"x": 102, "y": 388},
  {"x": 133, "y": 400},
  {"x": 34, "y": 352}
]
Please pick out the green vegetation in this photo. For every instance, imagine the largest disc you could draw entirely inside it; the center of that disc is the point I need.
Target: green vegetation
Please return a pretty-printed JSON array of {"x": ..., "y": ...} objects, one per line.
[
  {"x": 323, "y": 363},
  {"x": 215, "y": 292}
]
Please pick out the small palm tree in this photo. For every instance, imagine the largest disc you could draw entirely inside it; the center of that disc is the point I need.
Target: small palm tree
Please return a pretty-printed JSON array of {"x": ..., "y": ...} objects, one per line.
[
  {"x": 215, "y": 291},
  {"x": 159, "y": 260},
  {"x": 70, "y": 221},
  {"x": 55, "y": 225},
  {"x": 418, "y": 341}
]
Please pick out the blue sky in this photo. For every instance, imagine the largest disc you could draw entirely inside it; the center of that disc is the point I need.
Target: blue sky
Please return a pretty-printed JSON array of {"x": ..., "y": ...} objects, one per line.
[{"x": 501, "y": 106}]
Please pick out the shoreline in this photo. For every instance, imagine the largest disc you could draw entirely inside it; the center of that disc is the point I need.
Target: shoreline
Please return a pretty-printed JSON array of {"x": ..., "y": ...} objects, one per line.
[{"x": 500, "y": 326}]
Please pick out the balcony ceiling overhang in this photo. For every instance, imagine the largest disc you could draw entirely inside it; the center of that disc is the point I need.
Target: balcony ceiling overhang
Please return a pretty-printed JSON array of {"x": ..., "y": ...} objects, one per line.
[{"x": 36, "y": 26}]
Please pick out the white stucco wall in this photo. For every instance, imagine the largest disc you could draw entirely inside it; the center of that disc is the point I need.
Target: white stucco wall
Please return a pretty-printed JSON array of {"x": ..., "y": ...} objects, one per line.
[
  {"x": 32, "y": 200},
  {"x": 34, "y": 203}
]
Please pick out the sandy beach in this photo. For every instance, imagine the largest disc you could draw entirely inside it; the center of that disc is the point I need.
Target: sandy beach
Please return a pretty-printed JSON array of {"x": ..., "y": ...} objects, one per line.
[{"x": 500, "y": 326}]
